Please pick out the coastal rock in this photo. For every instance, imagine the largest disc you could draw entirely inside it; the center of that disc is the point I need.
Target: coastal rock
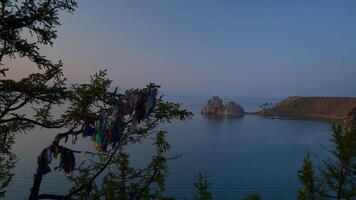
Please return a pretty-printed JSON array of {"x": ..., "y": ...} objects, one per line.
[
  {"x": 215, "y": 107},
  {"x": 233, "y": 109}
]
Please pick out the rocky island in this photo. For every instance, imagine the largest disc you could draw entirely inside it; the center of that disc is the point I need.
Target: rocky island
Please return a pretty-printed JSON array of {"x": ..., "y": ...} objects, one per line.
[
  {"x": 215, "y": 107},
  {"x": 331, "y": 108}
]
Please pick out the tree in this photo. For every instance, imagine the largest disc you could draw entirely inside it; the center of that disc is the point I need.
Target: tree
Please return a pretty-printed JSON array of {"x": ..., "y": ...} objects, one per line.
[
  {"x": 24, "y": 27},
  {"x": 339, "y": 173},
  {"x": 20, "y": 23},
  {"x": 307, "y": 177},
  {"x": 265, "y": 108},
  {"x": 202, "y": 188},
  {"x": 252, "y": 197},
  {"x": 111, "y": 160}
]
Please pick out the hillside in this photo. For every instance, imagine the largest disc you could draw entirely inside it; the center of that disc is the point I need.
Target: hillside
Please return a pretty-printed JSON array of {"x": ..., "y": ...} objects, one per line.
[{"x": 314, "y": 107}]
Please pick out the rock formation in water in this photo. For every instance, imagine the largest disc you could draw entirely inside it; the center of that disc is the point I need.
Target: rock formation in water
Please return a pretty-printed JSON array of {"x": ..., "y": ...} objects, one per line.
[
  {"x": 334, "y": 108},
  {"x": 215, "y": 107},
  {"x": 233, "y": 109}
]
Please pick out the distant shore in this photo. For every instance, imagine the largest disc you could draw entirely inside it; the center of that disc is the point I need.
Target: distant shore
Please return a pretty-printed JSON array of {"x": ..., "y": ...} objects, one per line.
[{"x": 329, "y": 108}]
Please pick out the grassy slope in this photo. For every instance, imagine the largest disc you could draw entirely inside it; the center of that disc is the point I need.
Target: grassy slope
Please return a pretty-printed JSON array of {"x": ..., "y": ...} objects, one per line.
[{"x": 318, "y": 107}]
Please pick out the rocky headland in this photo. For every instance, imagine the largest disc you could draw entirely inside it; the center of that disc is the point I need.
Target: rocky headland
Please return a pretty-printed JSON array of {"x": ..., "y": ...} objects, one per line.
[
  {"x": 331, "y": 108},
  {"x": 215, "y": 107}
]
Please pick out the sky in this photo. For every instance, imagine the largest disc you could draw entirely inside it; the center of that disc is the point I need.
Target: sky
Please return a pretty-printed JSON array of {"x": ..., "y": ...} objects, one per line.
[{"x": 248, "y": 49}]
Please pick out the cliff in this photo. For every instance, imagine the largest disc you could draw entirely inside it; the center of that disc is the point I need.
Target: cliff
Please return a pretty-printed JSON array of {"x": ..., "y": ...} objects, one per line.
[
  {"x": 334, "y": 108},
  {"x": 215, "y": 107},
  {"x": 233, "y": 109}
]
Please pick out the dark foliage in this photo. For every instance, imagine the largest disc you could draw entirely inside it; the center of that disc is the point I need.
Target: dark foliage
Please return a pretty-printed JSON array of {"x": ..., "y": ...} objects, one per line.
[
  {"x": 202, "y": 188},
  {"x": 338, "y": 173},
  {"x": 24, "y": 27}
]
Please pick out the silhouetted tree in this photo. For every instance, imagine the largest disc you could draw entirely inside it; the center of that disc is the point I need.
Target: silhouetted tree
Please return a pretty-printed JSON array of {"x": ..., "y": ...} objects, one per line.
[
  {"x": 339, "y": 172},
  {"x": 307, "y": 177},
  {"x": 252, "y": 197},
  {"x": 24, "y": 27},
  {"x": 202, "y": 188},
  {"x": 265, "y": 108}
]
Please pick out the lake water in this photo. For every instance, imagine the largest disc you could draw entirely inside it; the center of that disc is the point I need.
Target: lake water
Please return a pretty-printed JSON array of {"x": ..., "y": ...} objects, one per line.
[{"x": 241, "y": 156}]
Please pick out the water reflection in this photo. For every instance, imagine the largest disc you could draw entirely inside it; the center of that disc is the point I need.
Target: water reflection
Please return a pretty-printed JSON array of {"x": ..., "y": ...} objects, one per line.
[{"x": 222, "y": 117}]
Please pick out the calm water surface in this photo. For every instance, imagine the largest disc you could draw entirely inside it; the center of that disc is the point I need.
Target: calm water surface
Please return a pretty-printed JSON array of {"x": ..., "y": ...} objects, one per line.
[{"x": 241, "y": 156}]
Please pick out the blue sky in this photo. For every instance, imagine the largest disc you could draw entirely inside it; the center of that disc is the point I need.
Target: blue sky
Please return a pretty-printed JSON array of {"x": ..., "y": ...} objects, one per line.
[{"x": 227, "y": 48}]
